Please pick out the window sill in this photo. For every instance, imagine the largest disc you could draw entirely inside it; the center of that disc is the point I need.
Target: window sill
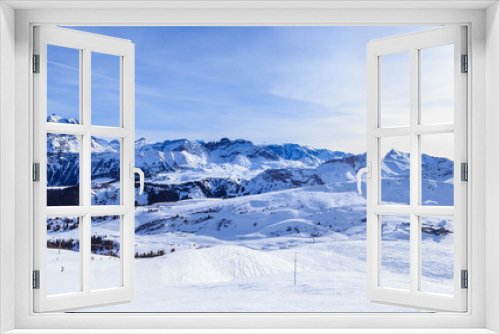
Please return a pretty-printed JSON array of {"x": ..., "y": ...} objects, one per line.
[{"x": 251, "y": 331}]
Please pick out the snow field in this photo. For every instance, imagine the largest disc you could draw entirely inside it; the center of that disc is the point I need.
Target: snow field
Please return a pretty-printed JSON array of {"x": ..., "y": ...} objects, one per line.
[
  {"x": 207, "y": 280},
  {"x": 63, "y": 272},
  {"x": 237, "y": 255}
]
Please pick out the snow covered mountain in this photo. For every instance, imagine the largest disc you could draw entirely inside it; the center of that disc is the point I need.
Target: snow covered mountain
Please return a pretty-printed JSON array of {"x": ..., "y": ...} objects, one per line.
[
  {"x": 54, "y": 118},
  {"x": 230, "y": 210},
  {"x": 172, "y": 155},
  {"x": 183, "y": 169}
]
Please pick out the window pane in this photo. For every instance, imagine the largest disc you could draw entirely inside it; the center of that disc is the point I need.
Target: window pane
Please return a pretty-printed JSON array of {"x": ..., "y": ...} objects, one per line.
[
  {"x": 395, "y": 90},
  {"x": 395, "y": 252},
  {"x": 105, "y": 90},
  {"x": 63, "y": 255},
  {"x": 63, "y": 84},
  {"x": 395, "y": 170},
  {"x": 105, "y": 171},
  {"x": 437, "y": 255},
  {"x": 63, "y": 170},
  {"x": 437, "y": 85},
  {"x": 437, "y": 169},
  {"x": 105, "y": 248}
]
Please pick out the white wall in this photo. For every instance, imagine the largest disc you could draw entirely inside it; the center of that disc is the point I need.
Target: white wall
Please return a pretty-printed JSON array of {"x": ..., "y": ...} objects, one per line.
[
  {"x": 492, "y": 164},
  {"x": 23, "y": 158},
  {"x": 7, "y": 160}
]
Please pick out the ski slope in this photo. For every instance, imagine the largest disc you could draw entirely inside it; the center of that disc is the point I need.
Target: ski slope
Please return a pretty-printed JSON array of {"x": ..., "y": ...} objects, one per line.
[{"x": 241, "y": 259}]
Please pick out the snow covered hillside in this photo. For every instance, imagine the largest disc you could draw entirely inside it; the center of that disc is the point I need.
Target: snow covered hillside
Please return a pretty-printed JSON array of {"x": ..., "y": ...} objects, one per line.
[
  {"x": 181, "y": 169},
  {"x": 219, "y": 225},
  {"x": 229, "y": 255}
]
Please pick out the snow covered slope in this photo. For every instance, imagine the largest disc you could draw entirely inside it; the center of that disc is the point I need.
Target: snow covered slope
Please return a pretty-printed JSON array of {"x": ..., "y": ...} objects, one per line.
[
  {"x": 227, "y": 255},
  {"x": 220, "y": 224}
]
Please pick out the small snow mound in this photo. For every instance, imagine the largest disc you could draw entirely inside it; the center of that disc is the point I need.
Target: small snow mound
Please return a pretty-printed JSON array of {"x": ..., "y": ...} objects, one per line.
[
  {"x": 292, "y": 226},
  {"x": 222, "y": 263}
]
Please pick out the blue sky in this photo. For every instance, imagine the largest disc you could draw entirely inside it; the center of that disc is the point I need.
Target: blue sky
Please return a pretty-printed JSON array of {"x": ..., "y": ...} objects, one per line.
[{"x": 305, "y": 85}]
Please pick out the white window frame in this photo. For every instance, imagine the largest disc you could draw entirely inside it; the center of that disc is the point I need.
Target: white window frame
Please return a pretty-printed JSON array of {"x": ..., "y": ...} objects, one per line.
[
  {"x": 413, "y": 43},
  {"x": 483, "y": 102},
  {"x": 86, "y": 44}
]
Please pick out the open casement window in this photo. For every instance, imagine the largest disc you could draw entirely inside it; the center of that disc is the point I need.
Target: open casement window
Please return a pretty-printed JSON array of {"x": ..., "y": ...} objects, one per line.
[
  {"x": 417, "y": 103},
  {"x": 75, "y": 266}
]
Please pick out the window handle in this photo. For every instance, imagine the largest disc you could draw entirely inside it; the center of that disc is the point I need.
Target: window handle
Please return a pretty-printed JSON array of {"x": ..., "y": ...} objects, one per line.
[
  {"x": 368, "y": 171},
  {"x": 139, "y": 171}
]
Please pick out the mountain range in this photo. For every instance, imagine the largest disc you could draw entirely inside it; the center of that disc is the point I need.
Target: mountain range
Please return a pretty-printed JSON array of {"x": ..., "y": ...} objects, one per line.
[{"x": 189, "y": 169}]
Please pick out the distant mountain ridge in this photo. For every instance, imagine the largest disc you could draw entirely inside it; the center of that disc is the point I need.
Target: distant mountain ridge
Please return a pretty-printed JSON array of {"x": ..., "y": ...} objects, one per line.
[
  {"x": 183, "y": 169},
  {"x": 172, "y": 154}
]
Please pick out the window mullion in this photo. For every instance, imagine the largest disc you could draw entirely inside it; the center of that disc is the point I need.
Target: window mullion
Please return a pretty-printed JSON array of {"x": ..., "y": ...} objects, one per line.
[
  {"x": 403, "y": 210},
  {"x": 85, "y": 163},
  {"x": 414, "y": 170},
  {"x": 406, "y": 210},
  {"x": 65, "y": 211},
  {"x": 417, "y": 129},
  {"x": 85, "y": 170},
  {"x": 85, "y": 253}
]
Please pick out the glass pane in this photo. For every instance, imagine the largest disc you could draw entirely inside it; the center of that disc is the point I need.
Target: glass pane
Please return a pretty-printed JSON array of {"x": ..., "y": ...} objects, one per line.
[
  {"x": 437, "y": 84},
  {"x": 395, "y": 90},
  {"x": 395, "y": 170},
  {"x": 437, "y": 169},
  {"x": 63, "y": 255},
  {"x": 105, "y": 171},
  {"x": 105, "y": 248},
  {"x": 437, "y": 255},
  {"x": 63, "y": 84},
  {"x": 105, "y": 90},
  {"x": 63, "y": 169},
  {"x": 395, "y": 252}
]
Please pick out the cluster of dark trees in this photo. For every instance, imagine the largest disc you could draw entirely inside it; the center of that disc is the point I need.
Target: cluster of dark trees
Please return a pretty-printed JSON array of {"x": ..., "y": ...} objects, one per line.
[
  {"x": 150, "y": 254},
  {"x": 67, "y": 243}
]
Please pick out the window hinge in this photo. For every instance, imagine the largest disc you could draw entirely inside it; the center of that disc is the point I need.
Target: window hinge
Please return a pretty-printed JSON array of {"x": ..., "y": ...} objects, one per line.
[
  {"x": 36, "y": 63},
  {"x": 36, "y": 279},
  {"x": 36, "y": 172},
  {"x": 464, "y": 168},
  {"x": 465, "y": 64},
  {"x": 465, "y": 279}
]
